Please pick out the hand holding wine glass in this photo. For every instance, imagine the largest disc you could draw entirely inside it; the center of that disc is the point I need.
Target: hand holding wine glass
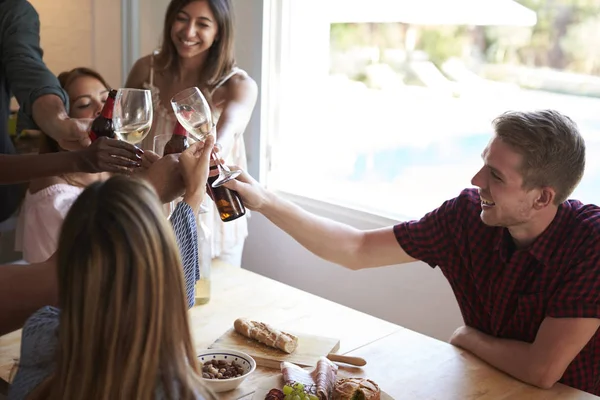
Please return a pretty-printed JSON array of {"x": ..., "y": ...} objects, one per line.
[
  {"x": 194, "y": 114},
  {"x": 194, "y": 163},
  {"x": 109, "y": 155}
]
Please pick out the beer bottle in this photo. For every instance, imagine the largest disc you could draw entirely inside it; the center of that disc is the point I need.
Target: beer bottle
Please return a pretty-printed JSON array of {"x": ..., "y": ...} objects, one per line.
[
  {"x": 103, "y": 125},
  {"x": 178, "y": 142},
  {"x": 228, "y": 201}
]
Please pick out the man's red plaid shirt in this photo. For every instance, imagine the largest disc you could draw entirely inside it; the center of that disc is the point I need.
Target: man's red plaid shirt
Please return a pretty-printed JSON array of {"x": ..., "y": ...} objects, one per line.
[{"x": 506, "y": 292}]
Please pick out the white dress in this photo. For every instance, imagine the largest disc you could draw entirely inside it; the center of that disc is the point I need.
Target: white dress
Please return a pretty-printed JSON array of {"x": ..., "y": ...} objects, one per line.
[{"x": 225, "y": 236}]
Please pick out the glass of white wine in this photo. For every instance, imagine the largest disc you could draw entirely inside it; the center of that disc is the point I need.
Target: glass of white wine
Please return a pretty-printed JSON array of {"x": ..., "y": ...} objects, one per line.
[
  {"x": 193, "y": 112},
  {"x": 132, "y": 114}
]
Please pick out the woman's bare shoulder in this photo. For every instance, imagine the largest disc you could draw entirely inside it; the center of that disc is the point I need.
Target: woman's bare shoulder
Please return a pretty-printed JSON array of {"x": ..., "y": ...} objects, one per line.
[
  {"x": 240, "y": 79},
  {"x": 237, "y": 85}
]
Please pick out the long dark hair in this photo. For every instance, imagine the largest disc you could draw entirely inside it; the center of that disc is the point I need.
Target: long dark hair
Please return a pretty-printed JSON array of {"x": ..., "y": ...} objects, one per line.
[{"x": 220, "y": 58}]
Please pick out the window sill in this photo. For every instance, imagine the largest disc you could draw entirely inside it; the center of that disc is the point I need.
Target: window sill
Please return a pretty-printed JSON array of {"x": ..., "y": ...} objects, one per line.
[{"x": 338, "y": 211}]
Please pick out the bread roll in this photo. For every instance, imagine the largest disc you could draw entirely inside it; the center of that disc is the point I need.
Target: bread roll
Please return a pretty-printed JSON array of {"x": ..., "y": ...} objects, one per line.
[
  {"x": 266, "y": 334},
  {"x": 356, "y": 388}
]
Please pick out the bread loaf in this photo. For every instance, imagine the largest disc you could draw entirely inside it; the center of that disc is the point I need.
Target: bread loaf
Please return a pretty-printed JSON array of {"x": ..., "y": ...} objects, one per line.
[
  {"x": 266, "y": 334},
  {"x": 356, "y": 389}
]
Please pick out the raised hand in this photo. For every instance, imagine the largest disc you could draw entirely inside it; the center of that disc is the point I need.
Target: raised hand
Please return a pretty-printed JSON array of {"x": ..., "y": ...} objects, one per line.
[
  {"x": 73, "y": 134},
  {"x": 252, "y": 193},
  {"x": 194, "y": 164}
]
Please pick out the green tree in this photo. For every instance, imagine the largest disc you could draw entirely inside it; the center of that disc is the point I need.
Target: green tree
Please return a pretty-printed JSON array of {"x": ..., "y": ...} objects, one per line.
[{"x": 443, "y": 42}]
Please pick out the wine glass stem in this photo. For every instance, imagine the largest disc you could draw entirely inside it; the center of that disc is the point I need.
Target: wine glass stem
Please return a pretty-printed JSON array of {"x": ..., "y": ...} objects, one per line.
[{"x": 218, "y": 161}]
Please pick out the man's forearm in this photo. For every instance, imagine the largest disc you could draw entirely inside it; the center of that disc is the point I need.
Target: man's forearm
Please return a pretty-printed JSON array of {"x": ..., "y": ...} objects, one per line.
[
  {"x": 511, "y": 356},
  {"x": 23, "y": 290},
  {"x": 48, "y": 113},
  {"x": 333, "y": 241},
  {"x": 24, "y": 168}
]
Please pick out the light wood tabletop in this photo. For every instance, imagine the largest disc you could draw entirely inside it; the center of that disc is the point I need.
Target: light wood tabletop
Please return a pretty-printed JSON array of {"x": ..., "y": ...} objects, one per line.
[{"x": 406, "y": 364}]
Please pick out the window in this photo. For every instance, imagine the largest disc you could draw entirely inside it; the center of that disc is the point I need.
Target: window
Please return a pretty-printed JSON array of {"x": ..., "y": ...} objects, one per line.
[{"x": 385, "y": 106}]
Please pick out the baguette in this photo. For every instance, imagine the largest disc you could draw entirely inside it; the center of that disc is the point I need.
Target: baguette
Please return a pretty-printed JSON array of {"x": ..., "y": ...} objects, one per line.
[{"x": 266, "y": 334}]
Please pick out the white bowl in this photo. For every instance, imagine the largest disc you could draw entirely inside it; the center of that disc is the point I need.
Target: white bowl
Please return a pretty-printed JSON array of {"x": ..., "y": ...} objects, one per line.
[{"x": 222, "y": 385}]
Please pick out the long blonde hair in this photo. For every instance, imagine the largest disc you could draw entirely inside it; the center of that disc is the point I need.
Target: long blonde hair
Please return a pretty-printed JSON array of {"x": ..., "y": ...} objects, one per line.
[{"x": 124, "y": 329}]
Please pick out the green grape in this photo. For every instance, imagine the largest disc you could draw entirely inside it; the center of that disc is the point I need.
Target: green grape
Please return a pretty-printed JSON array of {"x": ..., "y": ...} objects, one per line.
[
  {"x": 300, "y": 387},
  {"x": 288, "y": 389},
  {"x": 296, "y": 397},
  {"x": 288, "y": 397}
]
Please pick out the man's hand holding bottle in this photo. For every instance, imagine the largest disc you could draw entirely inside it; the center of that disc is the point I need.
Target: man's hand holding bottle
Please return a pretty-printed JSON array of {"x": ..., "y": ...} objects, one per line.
[{"x": 105, "y": 153}]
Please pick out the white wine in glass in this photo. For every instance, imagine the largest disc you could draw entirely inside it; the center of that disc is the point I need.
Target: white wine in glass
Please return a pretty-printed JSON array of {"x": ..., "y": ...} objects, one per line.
[
  {"x": 132, "y": 115},
  {"x": 198, "y": 130},
  {"x": 133, "y": 133},
  {"x": 194, "y": 114}
]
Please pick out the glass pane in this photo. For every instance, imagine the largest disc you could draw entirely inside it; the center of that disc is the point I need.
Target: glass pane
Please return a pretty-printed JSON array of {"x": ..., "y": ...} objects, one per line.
[{"x": 399, "y": 123}]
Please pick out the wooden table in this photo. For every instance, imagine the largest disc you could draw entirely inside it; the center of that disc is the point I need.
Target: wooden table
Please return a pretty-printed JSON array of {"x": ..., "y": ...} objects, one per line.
[{"x": 406, "y": 365}]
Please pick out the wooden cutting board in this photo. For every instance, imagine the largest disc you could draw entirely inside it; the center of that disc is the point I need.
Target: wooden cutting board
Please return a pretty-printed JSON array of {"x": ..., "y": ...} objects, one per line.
[{"x": 310, "y": 349}]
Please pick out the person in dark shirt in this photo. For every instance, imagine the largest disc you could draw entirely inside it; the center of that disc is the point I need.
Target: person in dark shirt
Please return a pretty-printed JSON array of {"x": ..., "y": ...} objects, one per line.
[
  {"x": 523, "y": 260},
  {"x": 44, "y": 106}
]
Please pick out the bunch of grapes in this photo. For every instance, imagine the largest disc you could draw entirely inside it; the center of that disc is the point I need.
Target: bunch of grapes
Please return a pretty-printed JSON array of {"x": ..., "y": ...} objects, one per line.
[{"x": 296, "y": 392}]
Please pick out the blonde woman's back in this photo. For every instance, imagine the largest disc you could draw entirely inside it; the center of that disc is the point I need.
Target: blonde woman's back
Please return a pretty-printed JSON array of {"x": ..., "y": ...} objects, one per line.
[{"x": 125, "y": 278}]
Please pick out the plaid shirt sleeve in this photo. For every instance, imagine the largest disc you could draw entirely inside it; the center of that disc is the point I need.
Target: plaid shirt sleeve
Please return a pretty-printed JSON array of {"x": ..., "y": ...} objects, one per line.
[
  {"x": 434, "y": 238},
  {"x": 579, "y": 294}
]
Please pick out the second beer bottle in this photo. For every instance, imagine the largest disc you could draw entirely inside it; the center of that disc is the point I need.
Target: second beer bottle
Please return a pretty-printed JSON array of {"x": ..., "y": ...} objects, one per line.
[
  {"x": 178, "y": 142},
  {"x": 103, "y": 125},
  {"x": 228, "y": 202}
]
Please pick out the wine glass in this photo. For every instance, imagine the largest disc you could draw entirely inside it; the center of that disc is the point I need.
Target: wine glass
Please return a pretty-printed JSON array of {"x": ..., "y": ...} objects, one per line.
[
  {"x": 193, "y": 112},
  {"x": 132, "y": 114}
]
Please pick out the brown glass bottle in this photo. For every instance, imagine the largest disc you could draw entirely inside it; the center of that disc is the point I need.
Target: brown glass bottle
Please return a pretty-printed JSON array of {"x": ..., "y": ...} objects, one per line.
[
  {"x": 228, "y": 201},
  {"x": 178, "y": 142},
  {"x": 103, "y": 125}
]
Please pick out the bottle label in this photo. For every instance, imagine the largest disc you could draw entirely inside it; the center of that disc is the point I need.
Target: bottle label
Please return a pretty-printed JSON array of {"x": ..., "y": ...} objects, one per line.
[{"x": 107, "y": 110}]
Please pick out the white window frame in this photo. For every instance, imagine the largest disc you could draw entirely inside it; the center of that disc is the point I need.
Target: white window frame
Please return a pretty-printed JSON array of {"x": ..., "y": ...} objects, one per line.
[{"x": 130, "y": 38}]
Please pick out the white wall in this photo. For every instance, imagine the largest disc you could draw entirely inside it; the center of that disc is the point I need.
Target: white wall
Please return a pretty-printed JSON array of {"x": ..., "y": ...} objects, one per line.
[
  {"x": 65, "y": 31},
  {"x": 76, "y": 33},
  {"x": 152, "y": 14},
  {"x": 414, "y": 295}
]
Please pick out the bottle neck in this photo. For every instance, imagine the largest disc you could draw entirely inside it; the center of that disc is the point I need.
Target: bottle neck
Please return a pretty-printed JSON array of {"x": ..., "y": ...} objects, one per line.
[
  {"x": 107, "y": 110},
  {"x": 179, "y": 130}
]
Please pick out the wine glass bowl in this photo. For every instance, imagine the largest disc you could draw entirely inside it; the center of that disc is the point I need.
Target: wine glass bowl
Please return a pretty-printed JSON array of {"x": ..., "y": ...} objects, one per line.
[
  {"x": 132, "y": 114},
  {"x": 193, "y": 112}
]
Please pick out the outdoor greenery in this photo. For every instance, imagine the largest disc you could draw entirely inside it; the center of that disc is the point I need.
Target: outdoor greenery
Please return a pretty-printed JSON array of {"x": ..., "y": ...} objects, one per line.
[{"x": 565, "y": 38}]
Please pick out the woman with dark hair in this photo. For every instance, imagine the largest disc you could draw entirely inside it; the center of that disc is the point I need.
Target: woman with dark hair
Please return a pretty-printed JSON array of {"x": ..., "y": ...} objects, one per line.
[
  {"x": 48, "y": 199},
  {"x": 197, "y": 50}
]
